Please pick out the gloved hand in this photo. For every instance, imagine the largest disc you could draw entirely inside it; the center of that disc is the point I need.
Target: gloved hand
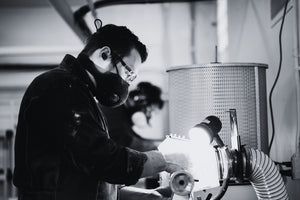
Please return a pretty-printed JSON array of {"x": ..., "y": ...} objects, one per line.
[
  {"x": 156, "y": 163},
  {"x": 177, "y": 151}
]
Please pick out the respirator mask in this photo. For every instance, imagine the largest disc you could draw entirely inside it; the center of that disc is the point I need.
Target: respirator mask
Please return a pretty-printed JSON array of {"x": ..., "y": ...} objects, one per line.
[{"x": 111, "y": 90}]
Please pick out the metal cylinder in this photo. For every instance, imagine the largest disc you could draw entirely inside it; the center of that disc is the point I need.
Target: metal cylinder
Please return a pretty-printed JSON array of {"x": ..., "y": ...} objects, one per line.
[{"x": 196, "y": 91}]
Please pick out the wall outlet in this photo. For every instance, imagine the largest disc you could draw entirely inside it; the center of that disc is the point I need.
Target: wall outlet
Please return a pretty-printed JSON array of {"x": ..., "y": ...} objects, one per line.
[{"x": 296, "y": 167}]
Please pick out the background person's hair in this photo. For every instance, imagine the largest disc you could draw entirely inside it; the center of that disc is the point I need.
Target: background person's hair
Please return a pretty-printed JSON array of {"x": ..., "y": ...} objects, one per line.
[{"x": 118, "y": 38}]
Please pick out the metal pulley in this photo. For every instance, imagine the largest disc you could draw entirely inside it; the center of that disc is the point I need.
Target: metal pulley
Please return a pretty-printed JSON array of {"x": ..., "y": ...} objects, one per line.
[{"x": 182, "y": 184}]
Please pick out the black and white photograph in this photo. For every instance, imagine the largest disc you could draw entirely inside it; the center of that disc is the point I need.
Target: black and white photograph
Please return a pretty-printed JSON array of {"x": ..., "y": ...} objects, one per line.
[{"x": 149, "y": 99}]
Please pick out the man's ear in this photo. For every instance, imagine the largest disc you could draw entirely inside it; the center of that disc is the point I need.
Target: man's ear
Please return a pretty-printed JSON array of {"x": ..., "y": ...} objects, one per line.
[{"x": 105, "y": 52}]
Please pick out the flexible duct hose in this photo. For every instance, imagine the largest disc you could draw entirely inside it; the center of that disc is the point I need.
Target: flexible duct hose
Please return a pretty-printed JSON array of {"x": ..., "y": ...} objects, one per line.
[{"x": 265, "y": 177}]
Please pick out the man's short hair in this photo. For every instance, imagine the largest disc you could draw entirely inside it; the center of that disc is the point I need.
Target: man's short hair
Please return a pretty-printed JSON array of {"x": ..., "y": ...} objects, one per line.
[{"x": 118, "y": 38}]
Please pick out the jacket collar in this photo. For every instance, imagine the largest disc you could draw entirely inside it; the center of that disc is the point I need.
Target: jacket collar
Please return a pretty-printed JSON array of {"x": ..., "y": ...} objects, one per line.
[{"x": 77, "y": 66}]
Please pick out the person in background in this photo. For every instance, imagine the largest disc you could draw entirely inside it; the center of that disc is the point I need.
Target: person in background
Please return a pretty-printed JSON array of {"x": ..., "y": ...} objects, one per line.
[
  {"x": 63, "y": 150},
  {"x": 124, "y": 122},
  {"x": 133, "y": 117}
]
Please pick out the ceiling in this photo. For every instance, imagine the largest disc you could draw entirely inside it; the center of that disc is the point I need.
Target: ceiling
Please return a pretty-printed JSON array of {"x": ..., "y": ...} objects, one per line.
[
  {"x": 36, "y": 3},
  {"x": 42, "y": 27},
  {"x": 76, "y": 19}
]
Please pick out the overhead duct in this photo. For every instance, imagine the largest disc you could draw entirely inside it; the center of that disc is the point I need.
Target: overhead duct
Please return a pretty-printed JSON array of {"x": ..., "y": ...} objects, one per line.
[{"x": 65, "y": 11}]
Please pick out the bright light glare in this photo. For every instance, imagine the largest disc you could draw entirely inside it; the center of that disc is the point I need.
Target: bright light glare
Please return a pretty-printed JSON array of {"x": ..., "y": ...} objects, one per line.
[
  {"x": 197, "y": 159},
  {"x": 200, "y": 136},
  {"x": 203, "y": 159}
]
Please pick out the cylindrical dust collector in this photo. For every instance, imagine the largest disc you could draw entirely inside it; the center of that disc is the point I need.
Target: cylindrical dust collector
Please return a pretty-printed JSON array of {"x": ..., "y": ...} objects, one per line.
[{"x": 197, "y": 91}]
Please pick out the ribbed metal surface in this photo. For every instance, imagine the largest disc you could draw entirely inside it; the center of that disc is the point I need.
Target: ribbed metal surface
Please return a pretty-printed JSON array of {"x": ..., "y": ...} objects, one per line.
[{"x": 200, "y": 90}]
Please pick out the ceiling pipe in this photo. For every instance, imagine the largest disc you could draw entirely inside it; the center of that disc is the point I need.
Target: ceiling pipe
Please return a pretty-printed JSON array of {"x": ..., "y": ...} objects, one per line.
[
  {"x": 76, "y": 19},
  {"x": 92, "y": 8},
  {"x": 82, "y": 11},
  {"x": 65, "y": 11},
  {"x": 193, "y": 32}
]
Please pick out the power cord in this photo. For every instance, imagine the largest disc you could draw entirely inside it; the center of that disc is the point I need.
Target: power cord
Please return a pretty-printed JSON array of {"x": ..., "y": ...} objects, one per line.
[{"x": 277, "y": 76}]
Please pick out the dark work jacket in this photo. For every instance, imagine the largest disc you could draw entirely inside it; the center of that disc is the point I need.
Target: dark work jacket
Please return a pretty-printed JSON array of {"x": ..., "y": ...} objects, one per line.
[{"x": 62, "y": 147}]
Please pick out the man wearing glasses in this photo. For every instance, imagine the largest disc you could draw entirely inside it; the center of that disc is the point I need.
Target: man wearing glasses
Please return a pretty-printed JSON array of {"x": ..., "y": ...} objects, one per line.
[{"x": 63, "y": 150}]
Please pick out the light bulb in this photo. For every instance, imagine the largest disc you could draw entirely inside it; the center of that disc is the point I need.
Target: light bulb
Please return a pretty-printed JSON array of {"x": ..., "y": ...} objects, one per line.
[{"x": 200, "y": 136}]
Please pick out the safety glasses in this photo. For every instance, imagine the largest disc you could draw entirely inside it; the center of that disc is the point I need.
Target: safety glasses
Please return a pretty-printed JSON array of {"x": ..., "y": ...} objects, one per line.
[{"x": 130, "y": 74}]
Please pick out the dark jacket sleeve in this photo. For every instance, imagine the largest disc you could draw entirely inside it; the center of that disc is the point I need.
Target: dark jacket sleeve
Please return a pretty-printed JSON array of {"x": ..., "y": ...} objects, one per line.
[
  {"x": 97, "y": 155},
  {"x": 69, "y": 120}
]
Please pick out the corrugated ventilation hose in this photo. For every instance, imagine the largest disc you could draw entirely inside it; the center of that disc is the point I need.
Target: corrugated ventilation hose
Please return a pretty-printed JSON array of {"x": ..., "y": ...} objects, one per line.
[{"x": 265, "y": 177}]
